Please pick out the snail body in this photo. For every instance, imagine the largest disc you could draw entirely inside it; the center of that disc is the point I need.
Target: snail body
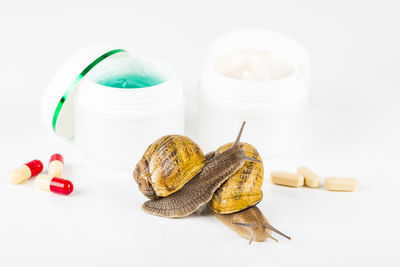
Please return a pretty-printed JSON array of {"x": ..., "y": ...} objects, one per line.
[{"x": 250, "y": 224}]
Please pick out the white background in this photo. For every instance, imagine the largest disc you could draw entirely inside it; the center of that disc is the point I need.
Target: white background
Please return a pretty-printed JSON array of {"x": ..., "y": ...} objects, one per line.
[{"x": 354, "y": 130}]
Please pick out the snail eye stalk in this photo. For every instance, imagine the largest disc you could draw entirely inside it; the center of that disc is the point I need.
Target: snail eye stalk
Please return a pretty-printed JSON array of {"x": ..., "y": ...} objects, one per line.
[
  {"x": 239, "y": 135},
  {"x": 270, "y": 227}
]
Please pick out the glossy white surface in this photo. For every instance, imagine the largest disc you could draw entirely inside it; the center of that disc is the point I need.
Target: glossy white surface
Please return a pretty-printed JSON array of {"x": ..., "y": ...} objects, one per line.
[{"x": 353, "y": 131}]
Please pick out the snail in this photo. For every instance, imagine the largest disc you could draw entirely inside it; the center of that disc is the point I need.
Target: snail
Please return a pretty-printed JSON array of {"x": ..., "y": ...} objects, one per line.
[{"x": 228, "y": 179}]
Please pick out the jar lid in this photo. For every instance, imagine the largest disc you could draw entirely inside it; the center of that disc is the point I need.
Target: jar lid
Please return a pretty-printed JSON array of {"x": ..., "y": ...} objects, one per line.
[{"x": 57, "y": 102}]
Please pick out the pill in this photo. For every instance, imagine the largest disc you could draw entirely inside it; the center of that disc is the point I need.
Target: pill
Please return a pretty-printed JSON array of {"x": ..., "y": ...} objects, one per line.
[
  {"x": 287, "y": 178},
  {"x": 25, "y": 172},
  {"x": 311, "y": 179},
  {"x": 340, "y": 184},
  {"x": 56, "y": 165},
  {"x": 54, "y": 184}
]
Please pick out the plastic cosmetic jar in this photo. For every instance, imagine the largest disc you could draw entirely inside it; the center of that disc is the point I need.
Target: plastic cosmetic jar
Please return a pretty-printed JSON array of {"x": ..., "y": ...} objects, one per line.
[
  {"x": 258, "y": 76},
  {"x": 113, "y": 104}
]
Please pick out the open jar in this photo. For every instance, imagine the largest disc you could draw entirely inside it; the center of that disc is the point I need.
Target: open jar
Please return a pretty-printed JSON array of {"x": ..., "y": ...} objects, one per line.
[
  {"x": 113, "y": 104},
  {"x": 258, "y": 76}
]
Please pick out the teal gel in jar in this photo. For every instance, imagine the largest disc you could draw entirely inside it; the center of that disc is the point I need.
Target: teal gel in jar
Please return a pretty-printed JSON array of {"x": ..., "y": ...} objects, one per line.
[
  {"x": 122, "y": 106},
  {"x": 128, "y": 73},
  {"x": 131, "y": 81}
]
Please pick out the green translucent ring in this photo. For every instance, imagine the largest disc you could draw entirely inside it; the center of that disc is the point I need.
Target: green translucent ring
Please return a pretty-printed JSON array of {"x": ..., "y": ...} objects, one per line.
[{"x": 76, "y": 82}]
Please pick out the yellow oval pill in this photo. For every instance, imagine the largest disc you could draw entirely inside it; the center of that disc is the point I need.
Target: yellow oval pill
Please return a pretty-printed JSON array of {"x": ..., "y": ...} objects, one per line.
[
  {"x": 340, "y": 184},
  {"x": 311, "y": 179},
  {"x": 287, "y": 178}
]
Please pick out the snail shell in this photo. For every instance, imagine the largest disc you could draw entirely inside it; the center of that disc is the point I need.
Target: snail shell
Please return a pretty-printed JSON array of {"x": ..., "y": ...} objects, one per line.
[
  {"x": 167, "y": 165},
  {"x": 243, "y": 188}
]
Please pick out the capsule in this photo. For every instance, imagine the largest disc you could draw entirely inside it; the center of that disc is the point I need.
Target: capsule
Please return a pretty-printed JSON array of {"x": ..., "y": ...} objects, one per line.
[
  {"x": 287, "y": 178},
  {"x": 25, "y": 172},
  {"x": 54, "y": 184},
  {"x": 56, "y": 165},
  {"x": 311, "y": 179},
  {"x": 341, "y": 184}
]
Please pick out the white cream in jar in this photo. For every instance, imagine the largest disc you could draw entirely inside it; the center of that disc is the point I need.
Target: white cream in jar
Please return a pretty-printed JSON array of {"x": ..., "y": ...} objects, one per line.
[{"x": 253, "y": 65}]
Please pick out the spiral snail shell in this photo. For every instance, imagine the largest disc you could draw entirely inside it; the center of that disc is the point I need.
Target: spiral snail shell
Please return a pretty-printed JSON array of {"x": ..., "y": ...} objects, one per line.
[
  {"x": 167, "y": 165},
  {"x": 243, "y": 188}
]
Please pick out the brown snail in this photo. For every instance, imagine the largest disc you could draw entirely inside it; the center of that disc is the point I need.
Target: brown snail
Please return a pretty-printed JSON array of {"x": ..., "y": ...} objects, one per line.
[
  {"x": 229, "y": 179},
  {"x": 234, "y": 201}
]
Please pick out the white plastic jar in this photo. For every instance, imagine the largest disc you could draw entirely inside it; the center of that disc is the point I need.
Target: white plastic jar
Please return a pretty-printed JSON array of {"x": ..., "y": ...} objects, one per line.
[
  {"x": 113, "y": 125},
  {"x": 274, "y": 107}
]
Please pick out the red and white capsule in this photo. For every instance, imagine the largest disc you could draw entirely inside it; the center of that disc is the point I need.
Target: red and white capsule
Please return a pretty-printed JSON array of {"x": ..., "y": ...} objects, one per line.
[
  {"x": 25, "y": 172},
  {"x": 56, "y": 165},
  {"x": 54, "y": 184}
]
